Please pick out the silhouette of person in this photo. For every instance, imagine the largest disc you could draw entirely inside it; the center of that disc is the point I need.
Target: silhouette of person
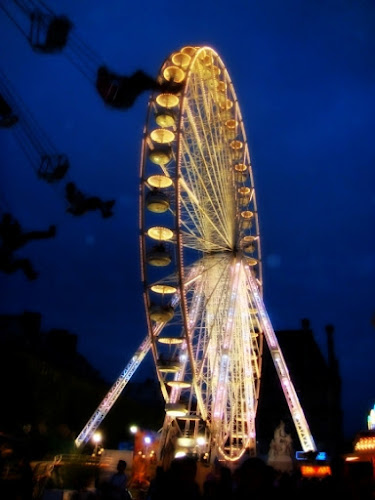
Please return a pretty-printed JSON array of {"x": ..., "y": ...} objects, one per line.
[
  {"x": 119, "y": 483},
  {"x": 9, "y": 265},
  {"x": 181, "y": 480},
  {"x": 80, "y": 204},
  {"x": 25, "y": 482},
  {"x": 7, "y": 118},
  {"x": 12, "y": 238},
  {"x": 122, "y": 91},
  {"x": 86, "y": 489},
  {"x": 157, "y": 485},
  {"x": 254, "y": 480}
]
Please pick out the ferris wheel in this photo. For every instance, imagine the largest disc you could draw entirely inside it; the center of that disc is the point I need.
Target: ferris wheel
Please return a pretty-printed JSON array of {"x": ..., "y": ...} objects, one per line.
[{"x": 201, "y": 264}]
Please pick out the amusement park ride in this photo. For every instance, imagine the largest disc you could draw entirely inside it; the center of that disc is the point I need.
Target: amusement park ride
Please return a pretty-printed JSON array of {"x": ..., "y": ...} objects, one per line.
[{"x": 201, "y": 268}]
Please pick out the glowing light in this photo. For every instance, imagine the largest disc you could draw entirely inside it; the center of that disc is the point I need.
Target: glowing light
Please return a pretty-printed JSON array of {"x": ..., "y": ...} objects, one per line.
[
  {"x": 185, "y": 442},
  {"x": 201, "y": 441},
  {"x": 247, "y": 214},
  {"x": 175, "y": 409},
  {"x": 160, "y": 233},
  {"x": 170, "y": 340},
  {"x": 189, "y": 50},
  {"x": 162, "y": 136},
  {"x": 240, "y": 167},
  {"x": 174, "y": 74},
  {"x": 147, "y": 440},
  {"x": 159, "y": 181},
  {"x": 236, "y": 145},
  {"x": 231, "y": 124},
  {"x": 222, "y": 86},
  {"x": 97, "y": 437},
  {"x": 157, "y": 202},
  {"x": 181, "y": 59},
  {"x": 165, "y": 119},
  {"x": 161, "y": 155},
  {"x": 365, "y": 444},
  {"x": 189, "y": 416},
  {"x": 371, "y": 419},
  {"x": 161, "y": 314},
  {"x": 163, "y": 289},
  {"x": 351, "y": 459},
  {"x": 206, "y": 59},
  {"x": 181, "y": 384},
  {"x": 167, "y": 100},
  {"x": 227, "y": 104},
  {"x": 133, "y": 429},
  {"x": 315, "y": 470},
  {"x": 180, "y": 454}
]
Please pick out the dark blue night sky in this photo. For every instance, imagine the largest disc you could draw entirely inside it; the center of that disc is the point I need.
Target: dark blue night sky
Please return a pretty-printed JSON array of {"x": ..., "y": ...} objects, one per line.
[{"x": 304, "y": 74}]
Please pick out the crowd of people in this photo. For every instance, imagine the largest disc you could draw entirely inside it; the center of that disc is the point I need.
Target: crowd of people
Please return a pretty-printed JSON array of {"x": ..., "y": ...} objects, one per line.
[{"x": 253, "y": 479}]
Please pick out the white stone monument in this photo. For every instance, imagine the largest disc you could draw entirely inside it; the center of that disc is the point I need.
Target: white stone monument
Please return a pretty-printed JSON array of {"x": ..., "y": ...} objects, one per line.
[{"x": 280, "y": 455}]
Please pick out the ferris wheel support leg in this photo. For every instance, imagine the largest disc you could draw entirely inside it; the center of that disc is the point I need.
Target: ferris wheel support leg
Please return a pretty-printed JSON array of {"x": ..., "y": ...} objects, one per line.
[
  {"x": 115, "y": 391},
  {"x": 295, "y": 408}
]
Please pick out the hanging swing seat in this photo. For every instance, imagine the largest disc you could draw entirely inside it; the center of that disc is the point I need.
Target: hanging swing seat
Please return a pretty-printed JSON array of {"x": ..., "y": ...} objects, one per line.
[
  {"x": 53, "y": 168},
  {"x": 48, "y": 33}
]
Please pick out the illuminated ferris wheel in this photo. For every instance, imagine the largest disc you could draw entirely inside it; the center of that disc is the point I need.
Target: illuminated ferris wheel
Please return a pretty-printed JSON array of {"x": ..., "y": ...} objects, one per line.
[{"x": 201, "y": 264}]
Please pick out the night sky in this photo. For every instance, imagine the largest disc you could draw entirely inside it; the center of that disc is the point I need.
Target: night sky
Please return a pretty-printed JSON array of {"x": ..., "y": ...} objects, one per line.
[{"x": 304, "y": 74}]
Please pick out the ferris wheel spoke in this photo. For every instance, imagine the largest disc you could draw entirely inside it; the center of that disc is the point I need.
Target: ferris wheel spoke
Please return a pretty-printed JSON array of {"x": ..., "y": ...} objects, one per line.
[
  {"x": 201, "y": 338},
  {"x": 211, "y": 133},
  {"x": 210, "y": 199},
  {"x": 208, "y": 337},
  {"x": 207, "y": 136},
  {"x": 207, "y": 213},
  {"x": 192, "y": 217}
]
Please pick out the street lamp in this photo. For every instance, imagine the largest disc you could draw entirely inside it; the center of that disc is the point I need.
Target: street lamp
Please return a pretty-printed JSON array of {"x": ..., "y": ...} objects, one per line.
[
  {"x": 97, "y": 438},
  {"x": 201, "y": 441},
  {"x": 134, "y": 430},
  {"x": 201, "y": 445},
  {"x": 147, "y": 440}
]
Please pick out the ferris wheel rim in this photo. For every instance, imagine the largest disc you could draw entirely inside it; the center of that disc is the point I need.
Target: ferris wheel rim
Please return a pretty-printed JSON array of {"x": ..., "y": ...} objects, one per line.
[{"x": 178, "y": 231}]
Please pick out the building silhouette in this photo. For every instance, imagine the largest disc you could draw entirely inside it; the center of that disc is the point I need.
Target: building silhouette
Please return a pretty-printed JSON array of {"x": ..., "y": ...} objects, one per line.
[{"x": 317, "y": 382}]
